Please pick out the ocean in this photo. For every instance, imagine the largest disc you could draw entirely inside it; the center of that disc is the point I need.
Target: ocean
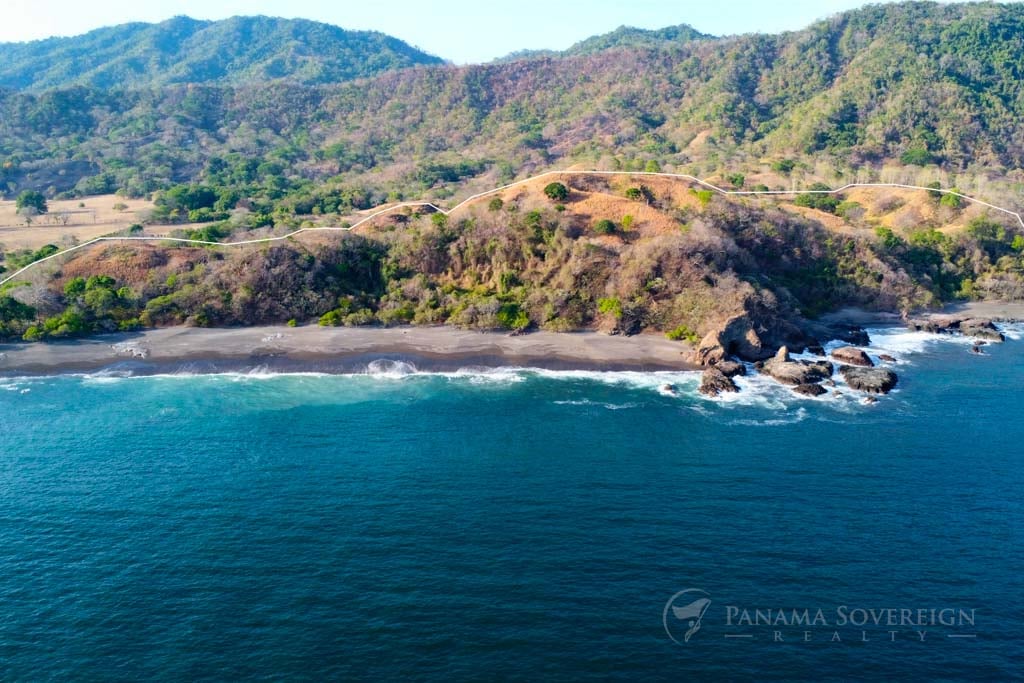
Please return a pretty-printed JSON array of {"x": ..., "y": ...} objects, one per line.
[{"x": 514, "y": 525}]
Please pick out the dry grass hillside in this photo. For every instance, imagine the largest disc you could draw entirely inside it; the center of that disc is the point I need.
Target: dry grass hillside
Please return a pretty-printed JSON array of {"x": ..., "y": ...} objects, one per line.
[{"x": 70, "y": 222}]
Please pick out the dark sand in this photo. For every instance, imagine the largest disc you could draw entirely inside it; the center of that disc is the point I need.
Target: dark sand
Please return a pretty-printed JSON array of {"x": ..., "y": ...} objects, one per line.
[{"x": 327, "y": 349}]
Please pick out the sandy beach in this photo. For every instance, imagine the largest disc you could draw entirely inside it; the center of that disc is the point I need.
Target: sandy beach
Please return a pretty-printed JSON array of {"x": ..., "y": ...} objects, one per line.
[{"x": 329, "y": 349}]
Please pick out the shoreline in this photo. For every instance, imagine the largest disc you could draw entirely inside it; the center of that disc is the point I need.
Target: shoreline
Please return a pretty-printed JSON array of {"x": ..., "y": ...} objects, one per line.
[
  {"x": 996, "y": 311},
  {"x": 342, "y": 350},
  {"x": 337, "y": 350}
]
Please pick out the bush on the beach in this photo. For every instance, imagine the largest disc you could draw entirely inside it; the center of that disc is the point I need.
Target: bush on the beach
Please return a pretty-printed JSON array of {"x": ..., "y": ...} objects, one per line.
[{"x": 683, "y": 333}]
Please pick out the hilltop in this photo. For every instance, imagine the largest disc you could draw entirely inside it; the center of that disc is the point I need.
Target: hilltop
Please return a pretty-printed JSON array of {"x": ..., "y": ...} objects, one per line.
[{"x": 236, "y": 51}]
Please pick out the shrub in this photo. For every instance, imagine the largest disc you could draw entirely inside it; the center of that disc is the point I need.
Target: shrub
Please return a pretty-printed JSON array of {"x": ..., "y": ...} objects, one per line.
[
  {"x": 783, "y": 166},
  {"x": 953, "y": 201},
  {"x": 557, "y": 192},
  {"x": 889, "y": 239},
  {"x": 293, "y": 323},
  {"x": 736, "y": 180},
  {"x": 512, "y": 317},
  {"x": 495, "y": 204},
  {"x": 331, "y": 319},
  {"x": 703, "y": 196},
  {"x": 683, "y": 333},
  {"x": 610, "y": 306},
  {"x": 818, "y": 199},
  {"x": 627, "y": 221},
  {"x": 604, "y": 227}
]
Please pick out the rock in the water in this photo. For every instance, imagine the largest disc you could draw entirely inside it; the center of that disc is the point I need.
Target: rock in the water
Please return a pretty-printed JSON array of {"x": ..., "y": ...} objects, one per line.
[
  {"x": 816, "y": 350},
  {"x": 810, "y": 389},
  {"x": 981, "y": 329},
  {"x": 853, "y": 356},
  {"x": 731, "y": 368},
  {"x": 787, "y": 371},
  {"x": 871, "y": 380},
  {"x": 715, "y": 383},
  {"x": 886, "y": 358}
]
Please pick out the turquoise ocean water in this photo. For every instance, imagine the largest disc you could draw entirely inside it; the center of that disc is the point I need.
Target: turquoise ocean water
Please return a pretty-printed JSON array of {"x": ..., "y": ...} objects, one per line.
[{"x": 514, "y": 524}]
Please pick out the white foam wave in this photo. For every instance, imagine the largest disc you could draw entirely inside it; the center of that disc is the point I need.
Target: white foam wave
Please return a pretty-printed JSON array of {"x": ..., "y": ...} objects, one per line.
[
  {"x": 1012, "y": 331},
  {"x": 390, "y": 369},
  {"x": 606, "y": 406},
  {"x": 786, "y": 419}
]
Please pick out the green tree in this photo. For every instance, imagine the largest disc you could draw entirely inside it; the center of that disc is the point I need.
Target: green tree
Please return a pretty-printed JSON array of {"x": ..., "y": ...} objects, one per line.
[
  {"x": 604, "y": 227},
  {"x": 557, "y": 192},
  {"x": 30, "y": 199}
]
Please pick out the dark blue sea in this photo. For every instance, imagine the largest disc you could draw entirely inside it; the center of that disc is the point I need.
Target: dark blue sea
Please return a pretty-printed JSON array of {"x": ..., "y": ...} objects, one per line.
[{"x": 514, "y": 525}]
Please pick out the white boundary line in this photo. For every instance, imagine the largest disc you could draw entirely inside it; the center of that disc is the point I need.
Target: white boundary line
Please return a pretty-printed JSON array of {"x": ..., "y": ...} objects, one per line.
[{"x": 479, "y": 195}]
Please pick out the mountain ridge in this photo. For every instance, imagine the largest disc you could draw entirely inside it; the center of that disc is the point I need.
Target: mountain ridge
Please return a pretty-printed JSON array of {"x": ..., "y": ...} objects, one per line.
[{"x": 183, "y": 50}]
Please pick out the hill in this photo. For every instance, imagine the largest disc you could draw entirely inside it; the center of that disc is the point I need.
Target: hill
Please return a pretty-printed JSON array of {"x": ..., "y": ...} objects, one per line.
[
  {"x": 931, "y": 88},
  {"x": 631, "y": 37},
  {"x": 624, "y": 37},
  {"x": 184, "y": 50}
]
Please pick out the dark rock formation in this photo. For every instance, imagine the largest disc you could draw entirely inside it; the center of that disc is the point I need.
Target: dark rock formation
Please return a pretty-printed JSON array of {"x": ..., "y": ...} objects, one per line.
[
  {"x": 852, "y": 356},
  {"x": 731, "y": 368},
  {"x": 787, "y": 371},
  {"x": 715, "y": 383},
  {"x": 851, "y": 334},
  {"x": 816, "y": 349},
  {"x": 981, "y": 329},
  {"x": 871, "y": 380},
  {"x": 751, "y": 337},
  {"x": 886, "y": 358},
  {"x": 810, "y": 389}
]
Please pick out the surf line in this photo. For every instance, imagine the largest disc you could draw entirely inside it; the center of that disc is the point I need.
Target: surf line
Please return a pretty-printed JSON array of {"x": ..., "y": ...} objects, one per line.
[{"x": 502, "y": 188}]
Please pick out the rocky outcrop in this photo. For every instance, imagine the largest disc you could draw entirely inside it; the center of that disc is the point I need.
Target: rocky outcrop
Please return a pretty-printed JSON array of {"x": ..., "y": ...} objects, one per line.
[
  {"x": 736, "y": 337},
  {"x": 851, "y": 355},
  {"x": 850, "y": 334},
  {"x": 870, "y": 380},
  {"x": 782, "y": 369},
  {"x": 731, "y": 368},
  {"x": 810, "y": 389},
  {"x": 752, "y": 336},
  {"x": 886, "y": 358},
  {"x": 979, "y": 328},
  {"x": 714, "y": 383}
]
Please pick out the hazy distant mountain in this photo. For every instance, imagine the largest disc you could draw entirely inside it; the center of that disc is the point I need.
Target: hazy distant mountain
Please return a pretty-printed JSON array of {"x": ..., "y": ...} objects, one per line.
[
  {"x": 184, "y": 50},
  {"x": 622, "y": 37}
]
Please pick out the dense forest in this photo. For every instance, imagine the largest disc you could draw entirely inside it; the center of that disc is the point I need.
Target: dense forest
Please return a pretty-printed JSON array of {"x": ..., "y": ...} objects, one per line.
[
  {"x": 239, "y": 50},
  {"x": 922, "y": 86},
  {"x": 917, "y": 83}
]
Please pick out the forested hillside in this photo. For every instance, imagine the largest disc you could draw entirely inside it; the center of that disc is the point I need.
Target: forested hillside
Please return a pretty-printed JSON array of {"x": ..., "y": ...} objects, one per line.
[
  {"x": 918, "y": 84},
  {"x": 182, "y": 50}
]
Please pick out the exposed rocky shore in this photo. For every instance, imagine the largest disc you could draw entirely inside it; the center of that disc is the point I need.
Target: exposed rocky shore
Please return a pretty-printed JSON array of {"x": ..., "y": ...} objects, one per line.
[{"x": 770, "y": 344}]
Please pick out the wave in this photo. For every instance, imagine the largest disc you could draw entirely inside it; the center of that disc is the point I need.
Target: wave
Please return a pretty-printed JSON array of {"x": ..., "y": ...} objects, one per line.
[{"x": 606, "y": 406}]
